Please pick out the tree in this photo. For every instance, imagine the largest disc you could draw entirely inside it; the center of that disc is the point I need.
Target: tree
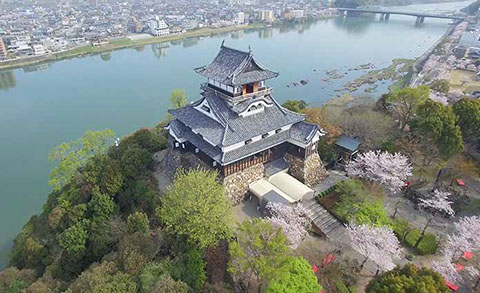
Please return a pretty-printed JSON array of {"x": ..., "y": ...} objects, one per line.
[
  {"x": 464, "y": 238},
  {"x": 190, "y": 268},
  {"x": 390, "y": 170},
  {"x": 440, "y": 85},
  {"x": 13, "y": 280},
  {"x": 166, "y": 284},
  {"x": 101, "y": 207},
  {"x": 138, "y": 222},
  {"x": 104, "y": 277},
  {"x": 134, "y": 161},
  {"x": 468, "y": 112},
  {"x": 178, "y": 98},
  {"x": 295, "y": 105},
  {"x": 408, "y": 279},
  {"x": 405, "y": 102},
  {"x": 258, "y": 253},
  {"x": 437, "y": 203},
  {"x": 320, "y": 117},
  {"x": 75, "y": 154},
  {"x": 196, "y": 207},
  {"x": 372, "y": 214},
  {"x": 435, "y": 124},
  {"x": 292, "y": 220},
  {"x": 73, "y": 239},
  {"x": 298, "y": 277},
  {"x": 378, "y": 244}
]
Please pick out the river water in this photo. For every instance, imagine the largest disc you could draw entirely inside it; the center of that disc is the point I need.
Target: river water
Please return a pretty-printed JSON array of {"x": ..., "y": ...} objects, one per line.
[{"x": 42, "y": 106}]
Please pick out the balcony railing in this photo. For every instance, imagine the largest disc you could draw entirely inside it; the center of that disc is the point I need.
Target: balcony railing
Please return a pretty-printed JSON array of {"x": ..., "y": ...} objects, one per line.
[{"x": 237, "y": 98}]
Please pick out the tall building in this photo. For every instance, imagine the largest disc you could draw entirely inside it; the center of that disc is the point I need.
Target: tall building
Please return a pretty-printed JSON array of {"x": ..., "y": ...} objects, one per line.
[
  {"x": 3, "y": 50},
  {"x": 158, "y": 27},
  {"x": 240, "y": 18},
  {"x": 266, "y": 16},
  {"x": 237, "y": 127}
]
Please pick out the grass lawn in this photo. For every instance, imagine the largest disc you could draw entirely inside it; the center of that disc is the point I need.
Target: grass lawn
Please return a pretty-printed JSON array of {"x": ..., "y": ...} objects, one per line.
[{"x": 464, "y": 81}]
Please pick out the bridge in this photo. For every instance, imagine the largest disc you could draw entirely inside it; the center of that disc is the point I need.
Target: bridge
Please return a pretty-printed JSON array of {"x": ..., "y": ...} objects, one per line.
[{"x": 385, "y": 14}]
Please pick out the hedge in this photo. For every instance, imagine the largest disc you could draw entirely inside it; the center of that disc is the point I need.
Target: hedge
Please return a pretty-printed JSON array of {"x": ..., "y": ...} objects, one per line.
[
  {"x": 412, "y": 237},
  {"x": 400, "y": 228},
  {"x": 428, "y": 244}
]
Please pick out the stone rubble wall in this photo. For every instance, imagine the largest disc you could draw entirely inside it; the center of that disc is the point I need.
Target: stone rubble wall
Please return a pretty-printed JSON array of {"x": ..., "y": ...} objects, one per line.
[
  {"x": 175, "y": 160},
  {"x": 236, "y": 185},
  {"x": 310, "y": 171}
]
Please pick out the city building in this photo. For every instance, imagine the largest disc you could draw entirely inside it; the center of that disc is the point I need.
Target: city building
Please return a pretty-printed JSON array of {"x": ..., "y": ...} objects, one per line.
[
  {"x": 158, "y": 27},
  {"x": 3, "y": 50},
  {"x": 240, "y": 18},
  {"x": 293, "y": 14},
  {"x": 38, "y": 49},
  {"x": 267, "y": 16},
  {"x": 237, "y": 127}
]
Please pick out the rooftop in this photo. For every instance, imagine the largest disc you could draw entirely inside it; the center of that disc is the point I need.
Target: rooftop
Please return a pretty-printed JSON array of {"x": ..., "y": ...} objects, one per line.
[{"x": 235, "y": 67}]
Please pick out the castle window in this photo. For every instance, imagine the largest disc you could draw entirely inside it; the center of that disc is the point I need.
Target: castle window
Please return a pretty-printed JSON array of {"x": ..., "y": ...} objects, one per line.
[
  {"x": 196, "y": 150},
  {"x": 214, "y": 163},
  {"x": 248, "y": 141},
  {"x": 205, "y": 108},
  {"x": 252, "y": 108},
  {"x": 278, "y": 130},
  {"x": 177, "y": 144},
  {"x": 265, "y": 135}
]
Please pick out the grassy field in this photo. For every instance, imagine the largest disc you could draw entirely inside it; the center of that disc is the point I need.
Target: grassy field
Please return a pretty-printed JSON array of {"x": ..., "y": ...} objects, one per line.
[
  {"x": 464, "y": 81},
  {"x": 125, "y": 43}
]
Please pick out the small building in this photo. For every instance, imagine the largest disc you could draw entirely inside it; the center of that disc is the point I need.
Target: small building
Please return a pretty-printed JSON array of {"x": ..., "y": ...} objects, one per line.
[
  {"x": 3, "y": 50},
  {"x": 347, "y": 149},
  {"x": 158, "y": 27},
  {"x": 38, "y": 49},
  {"x": 267, "y": 16},
  {"x": 237, "y": 126}
]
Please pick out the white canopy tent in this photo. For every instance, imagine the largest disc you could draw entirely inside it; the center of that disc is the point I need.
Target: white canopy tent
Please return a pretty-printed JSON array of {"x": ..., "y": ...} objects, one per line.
[{"x": 282, "y": 184}]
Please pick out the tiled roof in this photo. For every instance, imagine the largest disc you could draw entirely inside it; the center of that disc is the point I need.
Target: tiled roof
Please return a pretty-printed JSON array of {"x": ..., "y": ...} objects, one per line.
[
  {"x": 235, "y": 67},
  {"x": 348, "y": 142},
  {"x": 303, "y": 132}
]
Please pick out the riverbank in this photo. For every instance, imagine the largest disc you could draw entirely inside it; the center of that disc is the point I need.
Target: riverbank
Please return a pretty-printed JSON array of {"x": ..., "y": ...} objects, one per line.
[
  {"x": 117, "y": 44},
  {"x": 123, "y": 43}
]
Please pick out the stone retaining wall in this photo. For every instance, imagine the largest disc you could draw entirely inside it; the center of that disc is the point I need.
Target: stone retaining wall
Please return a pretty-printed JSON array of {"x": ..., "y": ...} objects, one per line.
[
  {"x": 236, "y": 184},
  {"x": 310, "y": 171}
]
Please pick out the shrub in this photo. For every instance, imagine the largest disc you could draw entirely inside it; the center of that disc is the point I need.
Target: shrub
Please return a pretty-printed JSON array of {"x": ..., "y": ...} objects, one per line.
[
  {"x": 138, "y": 222},
  {"x": 412, "y": 237},
  {"x": 428, "y": 244},
  {"x": 408, "y": 279},
  {"x": 400, "y": 228},
  {"x": 410, "y": 257}
]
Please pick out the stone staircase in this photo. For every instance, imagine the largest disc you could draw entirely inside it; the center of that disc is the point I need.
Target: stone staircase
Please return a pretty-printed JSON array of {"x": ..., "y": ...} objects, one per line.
[{"x": 326, "y": 223}]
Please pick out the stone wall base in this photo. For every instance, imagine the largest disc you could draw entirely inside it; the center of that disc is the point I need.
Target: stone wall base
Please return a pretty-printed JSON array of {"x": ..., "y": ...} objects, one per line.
[
  {"x": 175, "y": 160},
  {"x": 310, "y": 171},
  {"x": 236, "y": 185}
]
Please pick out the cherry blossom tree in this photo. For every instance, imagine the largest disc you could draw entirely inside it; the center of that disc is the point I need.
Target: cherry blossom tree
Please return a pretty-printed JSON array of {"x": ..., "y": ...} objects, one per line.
[
  {"x": 378, "y": 244},
  {"x": 390, "y": 170},
  {"x": 291, "y": 219},
  {"x": 465, "y": 237},
  {"x": 437, "y": 203}
]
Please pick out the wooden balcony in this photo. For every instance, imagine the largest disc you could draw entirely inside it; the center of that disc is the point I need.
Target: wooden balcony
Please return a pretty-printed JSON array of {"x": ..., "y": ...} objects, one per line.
[{"x": 239, "y": 97}]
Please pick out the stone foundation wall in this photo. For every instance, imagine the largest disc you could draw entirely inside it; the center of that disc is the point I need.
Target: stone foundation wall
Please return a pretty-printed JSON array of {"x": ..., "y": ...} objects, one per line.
[
  {"x": 310, "y": 171},
  {"x": 175, "y": 159},
  {"x": 236, "y": 184}
]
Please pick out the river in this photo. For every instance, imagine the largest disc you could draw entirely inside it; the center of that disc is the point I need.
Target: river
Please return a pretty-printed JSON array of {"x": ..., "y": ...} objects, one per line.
[{"x": 43, "y": 106}]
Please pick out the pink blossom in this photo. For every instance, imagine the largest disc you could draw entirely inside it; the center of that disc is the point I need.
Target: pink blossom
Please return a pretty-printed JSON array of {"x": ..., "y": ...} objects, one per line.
[
  {"x": 438, "y": 202},
  {"x": 390, "y": 170},
  {"x": 378, "y": 244},
  {"x": 291, "y": 219}
]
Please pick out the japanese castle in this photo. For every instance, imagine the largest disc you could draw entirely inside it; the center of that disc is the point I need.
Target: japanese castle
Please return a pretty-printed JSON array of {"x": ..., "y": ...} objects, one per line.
[{"x": 237, "y": 124}]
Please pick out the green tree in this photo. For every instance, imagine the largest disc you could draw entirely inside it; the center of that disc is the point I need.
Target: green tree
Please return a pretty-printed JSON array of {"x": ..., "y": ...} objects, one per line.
[
  {"x": 436, "y": 124},
  {"x": 372, "y": 214},
  {"x": 13, "y": 280},
  {"x": 135, "y": 161},
  {"x": 468, "y": 112},
  {"x": 73, "y": 239},
  {"x": 167, "y": 284},
  {"x": 295, "y": 105},
  {"x": 196, "y": 208},
  {"x": 101, "y": 207},
  {"x": 191, "y": 270},
  {"x": 152, "y": 273},
  {"x": 178, "y": 98},
  {"x": 75, "y": 154},
  {"x": 440, "y": 85},
  {"x": 405, "y": 102},
  {"x": 138, "y": 222},
  {"x": 104, "y": 278},
  {"x": 259, "y": 252},
  {"x": 298, "y": 277},
  {"x": 408, "y": 279}
]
